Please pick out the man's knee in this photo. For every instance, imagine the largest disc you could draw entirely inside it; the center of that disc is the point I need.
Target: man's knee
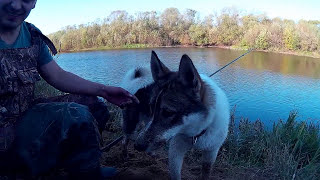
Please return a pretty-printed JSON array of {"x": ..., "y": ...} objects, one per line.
[
  {"x": 83, "y": 124},
  {"x": 79, "y": 113},
  {"x": 96, "y": 106},
  {"x": 56, "y": 117},
  {"x": 63, "y": 130}
]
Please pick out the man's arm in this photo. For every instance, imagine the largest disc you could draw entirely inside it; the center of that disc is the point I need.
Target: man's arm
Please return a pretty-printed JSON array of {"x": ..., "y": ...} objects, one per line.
[{"x": 71, "y": 83}]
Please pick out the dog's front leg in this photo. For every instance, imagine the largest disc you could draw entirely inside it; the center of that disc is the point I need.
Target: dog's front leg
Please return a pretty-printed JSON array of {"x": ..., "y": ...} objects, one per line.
[
  {"x": 208, "y": 158},
  {"x": 124, "y": 146},
  {"x": 178, "y": 146},
  {"x": 130, "y": 121}
]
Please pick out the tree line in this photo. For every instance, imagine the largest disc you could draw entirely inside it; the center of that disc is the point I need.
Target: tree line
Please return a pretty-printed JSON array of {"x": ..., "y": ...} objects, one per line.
[{"x": 172, "y": 28}]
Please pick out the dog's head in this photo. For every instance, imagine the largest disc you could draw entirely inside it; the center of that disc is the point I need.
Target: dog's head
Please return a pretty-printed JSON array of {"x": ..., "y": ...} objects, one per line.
[{"x": 175, "y": 97}]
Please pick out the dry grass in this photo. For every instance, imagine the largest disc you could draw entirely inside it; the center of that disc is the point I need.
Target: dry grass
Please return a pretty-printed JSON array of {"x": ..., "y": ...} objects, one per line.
[{"x": 291, "y": 150}]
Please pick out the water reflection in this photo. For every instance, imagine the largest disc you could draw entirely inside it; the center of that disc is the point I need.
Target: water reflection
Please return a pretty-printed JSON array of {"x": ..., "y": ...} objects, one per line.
[
  {"x": 285, "y": 64},
  {"x": 262, "y": 85}
]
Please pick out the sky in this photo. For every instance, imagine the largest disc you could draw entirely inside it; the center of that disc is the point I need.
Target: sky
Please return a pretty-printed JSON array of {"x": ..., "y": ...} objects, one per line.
[{"x": 52, "y": 15}]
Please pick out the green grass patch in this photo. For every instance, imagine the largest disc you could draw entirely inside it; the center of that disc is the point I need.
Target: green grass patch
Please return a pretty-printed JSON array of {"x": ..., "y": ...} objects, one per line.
[
  {"x": 290, "y": 150},
  {"x": 134, "y": 46},
  {"x": 43, "y": 90},
  {"x": 127, "y": 46}
]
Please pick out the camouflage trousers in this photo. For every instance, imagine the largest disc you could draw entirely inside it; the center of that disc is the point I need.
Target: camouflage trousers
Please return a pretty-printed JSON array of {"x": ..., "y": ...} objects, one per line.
[{"x": 57, "y": 135}]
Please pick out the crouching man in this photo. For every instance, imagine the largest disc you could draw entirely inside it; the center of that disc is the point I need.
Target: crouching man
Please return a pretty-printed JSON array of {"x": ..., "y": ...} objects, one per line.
[{"x": 41, "y": 137}]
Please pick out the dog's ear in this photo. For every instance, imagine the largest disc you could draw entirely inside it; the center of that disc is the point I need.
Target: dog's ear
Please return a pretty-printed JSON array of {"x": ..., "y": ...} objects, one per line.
[
  {"x": 189, "y": 75},
  {"x": 158, "y": 69}
]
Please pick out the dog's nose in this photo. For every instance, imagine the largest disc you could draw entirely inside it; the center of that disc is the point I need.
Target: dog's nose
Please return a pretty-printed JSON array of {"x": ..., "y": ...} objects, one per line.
[{"x": 140, "y": 147}]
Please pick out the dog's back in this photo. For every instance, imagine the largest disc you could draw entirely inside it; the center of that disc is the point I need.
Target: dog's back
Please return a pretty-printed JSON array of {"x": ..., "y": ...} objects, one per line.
[
  {"x": 137, "y": 78},
  {"x": 137, "y": 81},
  {"x": 183, "y": 108}
]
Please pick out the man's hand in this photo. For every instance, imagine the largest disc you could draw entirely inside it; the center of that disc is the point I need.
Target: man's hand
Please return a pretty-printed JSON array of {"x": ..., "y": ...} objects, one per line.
[
  {"x": 118, "y": 96},
  {"x": 71, "y": 83}
]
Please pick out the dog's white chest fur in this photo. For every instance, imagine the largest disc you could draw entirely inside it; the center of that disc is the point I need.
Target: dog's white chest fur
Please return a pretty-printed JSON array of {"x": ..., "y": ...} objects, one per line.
[{"x": 215, "y": 121}]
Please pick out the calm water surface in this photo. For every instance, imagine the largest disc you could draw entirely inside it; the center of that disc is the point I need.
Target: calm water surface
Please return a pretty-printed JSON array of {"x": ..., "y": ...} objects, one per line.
[{"x": 266, "y": 86}]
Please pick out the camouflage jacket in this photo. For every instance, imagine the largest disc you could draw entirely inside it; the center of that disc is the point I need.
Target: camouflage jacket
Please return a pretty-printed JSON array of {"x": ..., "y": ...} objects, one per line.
[{"x": 18, "y": 74}]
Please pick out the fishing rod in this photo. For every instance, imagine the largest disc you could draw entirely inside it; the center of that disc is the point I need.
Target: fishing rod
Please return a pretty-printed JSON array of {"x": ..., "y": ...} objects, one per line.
[
  {"x": 232, "y": 61},
  {"x": 111, "y": 144}
]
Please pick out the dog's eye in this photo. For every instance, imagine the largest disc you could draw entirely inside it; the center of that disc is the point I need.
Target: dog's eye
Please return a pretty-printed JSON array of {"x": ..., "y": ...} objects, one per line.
[{"x": 167, "y": 113}]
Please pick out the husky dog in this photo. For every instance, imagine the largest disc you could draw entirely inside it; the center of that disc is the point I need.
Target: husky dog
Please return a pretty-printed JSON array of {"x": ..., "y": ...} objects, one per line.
[{"x": 183, "y": 108}]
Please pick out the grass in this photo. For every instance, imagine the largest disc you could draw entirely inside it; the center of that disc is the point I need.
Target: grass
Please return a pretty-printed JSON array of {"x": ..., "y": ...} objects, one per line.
[
  {"x": 290, "y": 150},
  {"x": 43, "y": 90},
  {"x": 100, "y": 48},
  {"x": 133, "y": 46}
]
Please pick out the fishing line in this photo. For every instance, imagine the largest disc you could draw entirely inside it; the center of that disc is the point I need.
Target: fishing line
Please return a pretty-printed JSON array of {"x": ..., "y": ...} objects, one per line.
[{"x": 232, "y": 62}]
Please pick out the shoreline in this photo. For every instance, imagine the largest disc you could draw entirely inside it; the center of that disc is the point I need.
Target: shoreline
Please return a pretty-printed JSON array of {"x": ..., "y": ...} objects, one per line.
[{"x": 295, "y": 53}]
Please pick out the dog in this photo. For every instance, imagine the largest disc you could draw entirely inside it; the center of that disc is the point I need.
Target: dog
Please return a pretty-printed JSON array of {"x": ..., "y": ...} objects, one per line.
[{"x": 184, "y": 109}]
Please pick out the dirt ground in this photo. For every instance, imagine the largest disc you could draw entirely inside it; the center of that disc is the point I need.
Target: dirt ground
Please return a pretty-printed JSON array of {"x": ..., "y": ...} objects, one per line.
[{"x": 141, "y": 166}]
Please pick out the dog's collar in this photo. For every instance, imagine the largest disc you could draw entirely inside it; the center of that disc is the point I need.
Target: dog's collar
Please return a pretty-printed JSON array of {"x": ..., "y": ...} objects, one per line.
[{"x": 195, "y": 138}]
